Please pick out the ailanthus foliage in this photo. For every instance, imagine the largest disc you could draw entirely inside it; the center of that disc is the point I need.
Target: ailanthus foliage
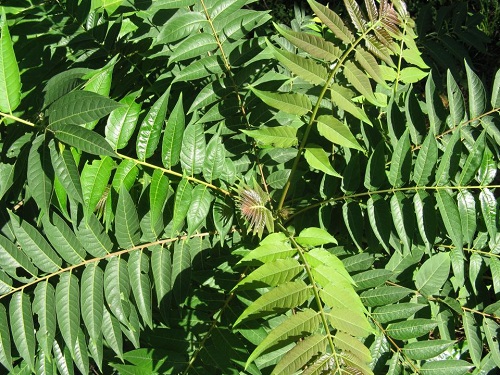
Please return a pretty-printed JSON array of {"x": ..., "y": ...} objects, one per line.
[{"x": 188, "y": 188}]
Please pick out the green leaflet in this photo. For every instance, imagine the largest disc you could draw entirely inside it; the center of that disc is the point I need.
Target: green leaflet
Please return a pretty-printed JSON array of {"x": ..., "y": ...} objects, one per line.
[
  {"x": 473, "y": 335},
  {"x": 35, "y": 245},
  {"x": 495, "y": 96},
  {"x": 161, "y": 267},
  {"x": 375, "y": 176},
  {"x": 213, "y": 165},
  {"x": 5, "y": 343},
  {"x": 126, "y": 173},
  {"x": 350, "y": 321},
  {"x": 426, "y": 161},
  {"x": 411, "y": 328},
  {"x": 112, "y": 333},
  {"x": 83, "y": 139},
  {"x": 21, "y": 325},
  {"x": 158, "y": 191},
  {"x": 10, "y": 79},
  {"x": 193, "y": 149},
  {"x": 127, "y": 228},
  {"x": 223, "y": 215},
  {"x": 298, "y": 357},
  {"x": 182, "y": 203},
  {"x": 94, "y": 180},
  {"x": 78, "y": 108},
  {"x": 446, "y": 367},
  {"x": 400, "y": 169},
  {"x": 456, "y": 101},
  {"x": 426, "y": 349},
  {"x": 273, "y": 273},
  {"x": 353, "y": 217},
  {"x": 40, "y": 174},
  {"x": 337, "y": 132},
  {"x": 150, "y": 129},
  {"x": 348, "y": 343},
  {"x": 93, "y": 237},
  {"x": 473, "y": 161},
  {"x": 202, "y": 68},
  {"x": 44, "y": 306},
  {"x": 193, "y": 46},
  {"x": 92, "y": 300},
  {"x": 306, "y": 69},
  {"x": 389, "y": 313},
  {"x": 435, "y": 109},
  {"x": 304, "y": 321},
  {"x": 295, "y": 104},
  {"x": 68, "y": 308},
  {"x": 317, "y": 158},
  {"x": 342, "y": 98},
  {"x": 284, "y": 297},
  {"x": 433, "y": 274},
  {"x": 489, "y": 211},
  {"x": 181, "y": 271},
  {"x": 360, "y": 81},
  {"x": 66, "y": 170},
  {"x": 312, "y": 44},
  {"x": 172, "y": 137},
  {"x": 62, "y": 237},
  {"x": 121, "y": 122},
  {"x": 11, "y": 259},
  {"x": 467, "y": 210},
  {"x": 201, "y": 200},
  {"x": 477, "y": 95},
  {"x": 138, "y": 269},
  {"x": 311, "y": 237},
  {"x": 117, "y": 291},
  {"x": 277, "y": 136},
  {"x": 378, "y": 217},
  {"x": 449, "y": 161},
  {"x": 180, "y": 26},
  {"x": 100, "y": 83},
  {"x": 404, "y": 218},
  {"x": 451, "y": 217},
  {"x": 384, "y": 295},
  {"x": 333, "y": 21}
]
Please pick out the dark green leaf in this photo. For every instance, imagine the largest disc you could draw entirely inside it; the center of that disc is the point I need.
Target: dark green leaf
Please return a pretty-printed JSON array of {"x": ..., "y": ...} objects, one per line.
[
  {"x": 10, "y": 79},
  {"x": 127, "y": 229},
  {"x": 411, "y": 329},
  {"x": 400, "y": 169},
  {"x": 117, "y": 290},
  {"x": 68, "y": 308},
  {"x": 150, "y": 129},
  {"x": 122, "y": 122},
  {"x": 78, "y": 108},
  {"x": 181, "y": 271},
  {"x": 181, "y": 205},
  {"x": 92, "y": 300},
  {"x": 193, "y": 149},
  {"x": 83, "y": 139},
  {"x": 172, "y": 137},
  {"x": 446, "y": 367},
  {"x": 95, "y": 178},
  {"x": 138, "y": 269},
  {"x": 199, "y": 208},
  {"x": 35, "y": 245},
  {"x": 433, "y": 274},
  {"x": 22, "y": 328},
  {"x": 426, "y": 349},
  {"x": 426, "y": 161}
]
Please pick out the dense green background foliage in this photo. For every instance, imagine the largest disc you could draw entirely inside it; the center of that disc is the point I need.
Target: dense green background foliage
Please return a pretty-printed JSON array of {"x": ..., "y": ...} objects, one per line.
[{"x": 186, "y": 187}]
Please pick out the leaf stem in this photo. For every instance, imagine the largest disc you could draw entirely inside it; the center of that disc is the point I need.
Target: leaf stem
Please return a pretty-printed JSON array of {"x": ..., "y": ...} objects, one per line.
[
  {"x": 178, "y": 174},
  {"x": 317, "y": 298},
  {"x": 314, "y": 113},
  {"x": 15, "y": 118},
  {"x": 98, "y": 259},
  {"x": 384, "y": 191}
]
